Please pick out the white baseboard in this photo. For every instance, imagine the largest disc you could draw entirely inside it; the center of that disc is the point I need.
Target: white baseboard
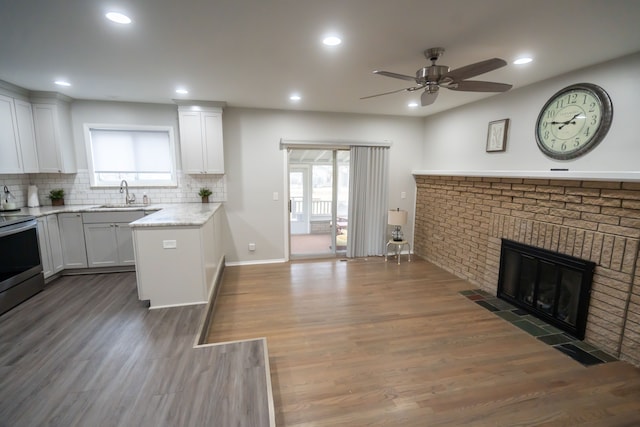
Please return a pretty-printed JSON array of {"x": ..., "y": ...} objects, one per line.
[{"x": 262, "y": 261}]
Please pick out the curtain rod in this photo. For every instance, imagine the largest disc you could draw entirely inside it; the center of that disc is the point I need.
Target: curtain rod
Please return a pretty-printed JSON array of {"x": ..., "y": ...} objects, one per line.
[{"x": 327, "y": 144}]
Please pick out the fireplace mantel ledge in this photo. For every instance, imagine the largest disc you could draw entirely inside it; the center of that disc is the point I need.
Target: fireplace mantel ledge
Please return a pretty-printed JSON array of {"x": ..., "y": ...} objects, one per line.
[{"x": 632, "y": 176}]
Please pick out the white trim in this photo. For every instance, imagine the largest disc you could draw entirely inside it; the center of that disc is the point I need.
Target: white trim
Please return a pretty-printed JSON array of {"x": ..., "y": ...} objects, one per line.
[
  {"x": 262, "y": 261},
  {"x": 177, "y": 305},
  {"x": 327, "y": 144},
  {"x": 286, "y": 199},
  {"x": 550, "y": 174},
  {"x": 267, "y": 369}
]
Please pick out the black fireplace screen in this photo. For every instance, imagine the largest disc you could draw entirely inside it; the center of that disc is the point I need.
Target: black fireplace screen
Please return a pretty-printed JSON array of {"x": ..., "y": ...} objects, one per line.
[{"x": 549, "y": 285}]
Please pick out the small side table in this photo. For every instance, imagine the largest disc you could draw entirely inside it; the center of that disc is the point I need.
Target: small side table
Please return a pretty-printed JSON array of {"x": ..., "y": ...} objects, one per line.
[{"x": 399, "y": 244}]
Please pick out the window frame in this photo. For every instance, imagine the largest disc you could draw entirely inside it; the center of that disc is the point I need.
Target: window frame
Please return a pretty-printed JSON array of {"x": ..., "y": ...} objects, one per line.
[{"x": 94, "y": 183}]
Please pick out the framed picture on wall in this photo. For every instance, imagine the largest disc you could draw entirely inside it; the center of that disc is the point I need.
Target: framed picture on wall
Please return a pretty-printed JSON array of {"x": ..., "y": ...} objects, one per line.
[{"x": 497, "y": 135}]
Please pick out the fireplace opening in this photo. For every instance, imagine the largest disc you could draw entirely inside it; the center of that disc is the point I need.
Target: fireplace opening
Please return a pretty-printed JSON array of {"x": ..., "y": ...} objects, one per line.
[{"x": 551, "y": 286}]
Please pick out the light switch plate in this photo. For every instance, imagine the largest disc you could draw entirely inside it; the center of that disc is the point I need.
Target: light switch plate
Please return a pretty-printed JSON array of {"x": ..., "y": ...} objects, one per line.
[
  {"x": 276, "y": 196},
  {"x": 403, "y": 195}
]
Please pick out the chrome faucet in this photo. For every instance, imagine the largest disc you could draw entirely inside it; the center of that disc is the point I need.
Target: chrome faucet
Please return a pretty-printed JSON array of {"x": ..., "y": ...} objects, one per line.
[{"x": 124, "y": 187}]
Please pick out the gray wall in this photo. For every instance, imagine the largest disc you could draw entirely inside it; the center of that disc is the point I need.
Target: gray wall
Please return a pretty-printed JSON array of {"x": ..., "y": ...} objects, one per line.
[
  {"x": 455, "y": 140},
  {"x": 256, "y": 168}
]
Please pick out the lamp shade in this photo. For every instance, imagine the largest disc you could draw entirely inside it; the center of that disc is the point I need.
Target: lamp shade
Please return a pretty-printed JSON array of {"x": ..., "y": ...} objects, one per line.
[{"x": 397, "y": 217}]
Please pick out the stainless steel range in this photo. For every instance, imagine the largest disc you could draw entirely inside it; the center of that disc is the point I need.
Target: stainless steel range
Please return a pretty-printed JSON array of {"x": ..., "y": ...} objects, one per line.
[{"x": 21, "y": 274}]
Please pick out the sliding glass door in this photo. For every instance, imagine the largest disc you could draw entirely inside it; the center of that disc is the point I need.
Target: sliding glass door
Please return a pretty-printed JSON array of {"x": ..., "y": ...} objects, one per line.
[{"x": 318, "y": 202}]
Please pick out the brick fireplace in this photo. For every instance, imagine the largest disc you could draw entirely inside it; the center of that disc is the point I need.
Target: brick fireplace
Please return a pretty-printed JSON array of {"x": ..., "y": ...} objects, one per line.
[{"x": 460, "y": 221}]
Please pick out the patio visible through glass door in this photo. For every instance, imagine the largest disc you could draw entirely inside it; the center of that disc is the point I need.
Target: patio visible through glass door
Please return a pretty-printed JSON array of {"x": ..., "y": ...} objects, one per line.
[{"x": 319, "y": 194}]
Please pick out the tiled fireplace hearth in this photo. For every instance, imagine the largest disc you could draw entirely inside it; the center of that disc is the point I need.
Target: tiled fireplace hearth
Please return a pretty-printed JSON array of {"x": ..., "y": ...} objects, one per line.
[{"x": 461, "y": 221}]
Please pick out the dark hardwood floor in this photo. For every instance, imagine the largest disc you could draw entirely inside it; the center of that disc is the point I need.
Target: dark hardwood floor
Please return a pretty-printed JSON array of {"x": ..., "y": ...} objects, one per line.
[
  {"x": 369, "y": 343},
  {"x": 86, "y": 352}
]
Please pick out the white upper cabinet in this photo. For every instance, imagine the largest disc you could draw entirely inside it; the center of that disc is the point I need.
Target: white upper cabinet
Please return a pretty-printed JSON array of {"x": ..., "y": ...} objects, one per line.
[
  {"x": 17, "y": 138},
  {"x": 26, "y": 133},
  {"x": 52, "y": 120},
  {"x": 201, "y": 142},
  {"x": 10, "y": 161}
]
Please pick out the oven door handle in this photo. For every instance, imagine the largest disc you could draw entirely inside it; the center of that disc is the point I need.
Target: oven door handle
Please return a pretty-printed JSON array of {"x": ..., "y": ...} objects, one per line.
[{"x": 17, "y": 228}]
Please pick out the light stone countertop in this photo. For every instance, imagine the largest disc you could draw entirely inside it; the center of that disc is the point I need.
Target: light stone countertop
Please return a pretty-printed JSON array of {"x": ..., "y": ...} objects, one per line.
[
  {"x": 178, "y": 215},
  {"x": 165, "y": 215}
]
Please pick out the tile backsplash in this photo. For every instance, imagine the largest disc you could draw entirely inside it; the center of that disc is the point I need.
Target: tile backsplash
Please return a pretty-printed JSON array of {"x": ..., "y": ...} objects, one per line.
[{"x": 79, "y": 192}]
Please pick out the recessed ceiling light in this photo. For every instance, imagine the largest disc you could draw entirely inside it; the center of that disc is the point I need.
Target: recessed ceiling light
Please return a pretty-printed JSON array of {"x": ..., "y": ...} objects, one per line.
[
  {"x": 523, "y": 60},
  {"x": 118, "y": 17},
  {"x": 62, "y": 83},
  {"x": 332, "y": 41},
  {"x": 295, "y": 97},
  {"x": 182, "y": 91},
  {"x": 412, "y": 104}
]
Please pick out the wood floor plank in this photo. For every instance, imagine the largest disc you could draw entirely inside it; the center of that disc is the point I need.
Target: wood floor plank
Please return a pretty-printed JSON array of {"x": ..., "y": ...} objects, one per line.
[
  {"x": 366, "y": 342},
  {"x": 86, "y": 352}
]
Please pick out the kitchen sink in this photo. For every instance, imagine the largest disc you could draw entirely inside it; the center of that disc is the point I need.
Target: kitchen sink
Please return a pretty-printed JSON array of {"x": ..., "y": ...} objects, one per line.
[{"x": 122, "y": 206}]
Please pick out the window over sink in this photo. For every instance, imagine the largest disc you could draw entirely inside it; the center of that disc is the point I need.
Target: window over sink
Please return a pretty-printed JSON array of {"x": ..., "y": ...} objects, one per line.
[{"x": 142, "y": 155}]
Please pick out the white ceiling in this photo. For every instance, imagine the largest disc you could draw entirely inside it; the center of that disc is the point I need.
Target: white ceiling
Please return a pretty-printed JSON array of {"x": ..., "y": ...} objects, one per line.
[{"x": 255, "y": 53}]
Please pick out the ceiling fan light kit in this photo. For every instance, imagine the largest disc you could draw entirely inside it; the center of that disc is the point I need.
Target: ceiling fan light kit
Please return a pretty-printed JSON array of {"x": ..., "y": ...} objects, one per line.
[{"x": 432, "y": 77}]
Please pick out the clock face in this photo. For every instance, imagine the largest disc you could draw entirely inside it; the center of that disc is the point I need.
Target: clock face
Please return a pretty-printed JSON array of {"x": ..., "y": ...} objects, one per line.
[{"x": 573, "y": 121}]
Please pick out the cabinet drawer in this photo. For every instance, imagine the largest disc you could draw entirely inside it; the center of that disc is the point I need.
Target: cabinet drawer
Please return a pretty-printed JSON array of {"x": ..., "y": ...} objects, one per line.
[{"x": 111, "y": 217}]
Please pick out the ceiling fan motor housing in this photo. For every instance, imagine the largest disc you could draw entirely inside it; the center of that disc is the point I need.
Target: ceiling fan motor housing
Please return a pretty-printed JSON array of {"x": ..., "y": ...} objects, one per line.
[{"x": 431, "y": 74}]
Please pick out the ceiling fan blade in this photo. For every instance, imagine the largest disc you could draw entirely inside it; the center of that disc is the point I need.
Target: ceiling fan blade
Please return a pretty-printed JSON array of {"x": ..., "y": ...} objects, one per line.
[
  {"x": 479, "y": 86},
  {"x": 395, "y": 75},
  {"x": 476, "y": 69},
  {"x": 388, "y": 93},
  {"x": 428, "y": 98}
]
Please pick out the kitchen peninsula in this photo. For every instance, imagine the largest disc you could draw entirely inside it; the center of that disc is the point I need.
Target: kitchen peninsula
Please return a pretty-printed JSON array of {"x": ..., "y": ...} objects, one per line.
[{"x": 178, "y": 253}]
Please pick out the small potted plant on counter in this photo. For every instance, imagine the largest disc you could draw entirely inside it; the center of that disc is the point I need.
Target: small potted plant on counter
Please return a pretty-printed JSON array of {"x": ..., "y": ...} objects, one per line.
[
  {"x": 57, "y": 197},
  {"x": 205, "y": 193}
]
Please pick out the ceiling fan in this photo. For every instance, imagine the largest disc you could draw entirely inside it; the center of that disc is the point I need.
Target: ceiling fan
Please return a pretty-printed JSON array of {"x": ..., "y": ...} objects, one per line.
[{"x": 433, "y": 77}]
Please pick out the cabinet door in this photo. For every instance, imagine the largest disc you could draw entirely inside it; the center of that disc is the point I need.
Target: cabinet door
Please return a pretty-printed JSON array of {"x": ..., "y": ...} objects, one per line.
[
  {"x": 45, "y": 117},
  {"x": 55, "y": 244},
  {"x": 54, "y": 141},
  {"x": 191, "y": 142},
  {"x": 102, "y": 247},
  {"x": 74, "y": 252},
  {"x": 9, "y": 150},
  {"x": 27, "y": 136},
  {"x": 45, "y": 252},
  {"x": 214, "y": 153},
  {"x": 124, "y": 237}
]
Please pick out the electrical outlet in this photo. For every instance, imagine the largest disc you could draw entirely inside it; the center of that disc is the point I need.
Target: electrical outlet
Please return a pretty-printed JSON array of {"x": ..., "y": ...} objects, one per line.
[
  {"x": 403, "y": 195},
  {"x": 276, "y": 196},
  {"x": 169, "y": 244},
  {"x": 252, "y": 246}
]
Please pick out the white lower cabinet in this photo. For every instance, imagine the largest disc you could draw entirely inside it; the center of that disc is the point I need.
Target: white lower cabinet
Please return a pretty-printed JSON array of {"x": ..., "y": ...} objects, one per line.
[
  {"x": 74, "y": 251},
  {"x": 50, "y": 245},
  {"x": 108, "y": 238}
]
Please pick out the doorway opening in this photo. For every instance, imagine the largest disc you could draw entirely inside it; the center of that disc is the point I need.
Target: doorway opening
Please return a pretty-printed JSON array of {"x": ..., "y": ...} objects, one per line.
[{"x": 318, "y": 202}]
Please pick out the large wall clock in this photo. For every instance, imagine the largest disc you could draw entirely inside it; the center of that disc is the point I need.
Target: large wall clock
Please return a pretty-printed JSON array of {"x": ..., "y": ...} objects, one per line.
[{"x": 573, "y": 121}]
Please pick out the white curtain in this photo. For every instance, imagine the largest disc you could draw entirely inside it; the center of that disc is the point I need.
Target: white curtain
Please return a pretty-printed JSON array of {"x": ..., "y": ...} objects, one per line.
[{"x": 368, "y": 201}]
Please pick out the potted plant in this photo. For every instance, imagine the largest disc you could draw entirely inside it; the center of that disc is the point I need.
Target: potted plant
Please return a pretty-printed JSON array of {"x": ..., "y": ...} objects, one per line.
[
  {"x": 57, "y": 197},
  {"x": 205, "y": 193}
]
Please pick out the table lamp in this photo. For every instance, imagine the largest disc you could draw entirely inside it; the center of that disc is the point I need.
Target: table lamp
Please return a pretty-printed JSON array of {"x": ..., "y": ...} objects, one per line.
[{"x": 397, "y": 218}]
